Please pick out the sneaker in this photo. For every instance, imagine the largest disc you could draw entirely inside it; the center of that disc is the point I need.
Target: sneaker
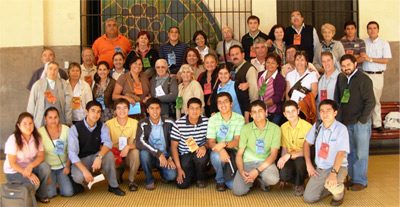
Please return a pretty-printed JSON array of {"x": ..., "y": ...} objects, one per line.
[
  {"x": 150, "y": 186},
  {"x": 201, "y": 184},
  {"x": 220, "y": 187},
  {"x": 117, "y": 191},
  {"x": 298, "y": 190},
  {"x": 132, "y": 186}
]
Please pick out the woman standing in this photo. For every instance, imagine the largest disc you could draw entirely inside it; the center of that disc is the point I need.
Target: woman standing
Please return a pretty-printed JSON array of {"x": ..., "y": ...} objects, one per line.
[
  {"x": 192, "y": 57},
  {"x": 277, "y": 34},
  {"x": 103, "y": 89},
  {"x": 200, "y": 39},
  {"x": 208, "y": 80}
]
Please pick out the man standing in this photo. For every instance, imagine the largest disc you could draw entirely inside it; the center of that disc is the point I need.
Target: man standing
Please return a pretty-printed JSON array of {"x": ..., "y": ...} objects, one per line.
[
  {"x": 261, "y": 50},
  {"x": 258, "y": 148},
  {"x": 331, "y": 141},
  {"x": 188, "y": 146},
  {"x": 88, "y": 65},
  {"x": 300, "y": 34},
  {"x": 111, "y": 42},
  {"x": 244, "y": 72},
  {"x": 355, "y": 94},
  {"x": 223, "y": 136},
  {"x": 378, "y": 55},
  {"x": 174, "y": 50},
  {"x": 89, "y": 147},
  {"x": 352, "y": 44},
  {"x": 253, "y": 23}
]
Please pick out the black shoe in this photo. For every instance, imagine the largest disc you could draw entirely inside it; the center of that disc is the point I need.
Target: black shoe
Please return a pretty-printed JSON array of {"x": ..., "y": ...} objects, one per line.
[
  {"x": 43, "y": 200},
  {"x": 132, "y": 186},
  {"x": 117, "y": 191},
  {"x": 220, "y": 187},
  {"x": 379, "y": 129}
]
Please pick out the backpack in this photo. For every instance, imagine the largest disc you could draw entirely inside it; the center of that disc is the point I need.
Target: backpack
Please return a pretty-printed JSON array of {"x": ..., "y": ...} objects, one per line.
[
  {"x": 16, "y": 194},
  {"x": 392, "y": 120}
]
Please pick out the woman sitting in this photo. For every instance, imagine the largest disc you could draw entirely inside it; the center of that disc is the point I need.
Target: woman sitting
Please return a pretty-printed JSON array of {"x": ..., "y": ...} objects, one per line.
[
  {"x": 103, "y": 89},
  {"x": 118, "y": 62}
]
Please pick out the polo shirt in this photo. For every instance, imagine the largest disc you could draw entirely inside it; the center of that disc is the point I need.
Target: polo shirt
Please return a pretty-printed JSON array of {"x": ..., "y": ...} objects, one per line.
[
  {"x": 269, "y": 137},
  {"x": 224, "y": 131},
  {"x": 178, "y": 50},
  {"x": 354, "y": 47},
  {"x": 183, "y": 129},
  {"x": 117, "y": 130},
  {"x": 104, "y": 48},
  {"x": 50, "y": 156},
  {"x": 293, "y": 138},
  {"x": 258, "y": 65},
  {"x": 337, "y": 137},
  {"x": 377, "y": 48}
]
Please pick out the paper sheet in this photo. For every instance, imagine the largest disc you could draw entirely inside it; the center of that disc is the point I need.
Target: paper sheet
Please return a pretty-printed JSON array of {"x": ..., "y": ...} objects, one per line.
[{"x": 96, "y": 180}]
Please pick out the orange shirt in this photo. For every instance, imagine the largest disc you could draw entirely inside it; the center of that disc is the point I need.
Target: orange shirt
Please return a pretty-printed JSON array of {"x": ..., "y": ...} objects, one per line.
[{"x": 104, "y": 48}]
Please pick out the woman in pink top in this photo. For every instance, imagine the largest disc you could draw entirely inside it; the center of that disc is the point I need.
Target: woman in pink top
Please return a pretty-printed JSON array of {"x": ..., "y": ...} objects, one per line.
[{"x": 24, "y": 158}]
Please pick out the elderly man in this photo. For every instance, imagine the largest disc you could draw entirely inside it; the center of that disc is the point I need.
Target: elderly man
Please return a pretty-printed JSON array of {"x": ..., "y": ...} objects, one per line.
[
  {"x": 88, "y": 67},
  {"x": 109, "y": 43},
  {"x": 223, "y": 46},
  {"x": 261, "y": 50}
]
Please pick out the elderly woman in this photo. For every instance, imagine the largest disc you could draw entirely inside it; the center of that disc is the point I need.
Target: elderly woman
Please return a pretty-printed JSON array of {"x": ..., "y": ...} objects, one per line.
[
  {"x": 272, "y": 87},
  {"x": 276, "y": 34},
  {"x": 208, "y": 80},
  {"x": 224, "y": 45},
  {"x": 80, "y": 91},
  {"x": 240, "y": 98},
  {"x": 144, "y": 50},
  {"x": 118, "y": 70},
  {"x": 134, "y": 87},
  {"x": 47, "y": 92},
  {"x": 24, "y": 158},
  {"x": 165, "y": 88},
  {"x": 188, "y": 89},
  {"x": 200, "y": 39},
  {"x": 54, "y": 138},
  {"x": 330, "y": 45},
  {"x": 103, "y": 89}
]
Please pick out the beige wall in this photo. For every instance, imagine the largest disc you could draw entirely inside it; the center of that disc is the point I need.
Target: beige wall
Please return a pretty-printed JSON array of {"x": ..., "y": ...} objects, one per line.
[{"x": 266, "y": 11}]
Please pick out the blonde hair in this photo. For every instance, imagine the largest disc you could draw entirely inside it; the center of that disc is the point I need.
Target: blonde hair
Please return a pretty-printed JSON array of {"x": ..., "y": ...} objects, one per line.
[
  {"x": 227, "y": 28},
  {"x": 187, "y": 67},
  {"x": 328, "y": 26}
]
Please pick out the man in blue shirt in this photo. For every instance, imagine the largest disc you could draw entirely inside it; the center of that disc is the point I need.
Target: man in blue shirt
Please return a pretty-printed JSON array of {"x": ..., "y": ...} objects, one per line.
[{"x": 89, "y": 147}]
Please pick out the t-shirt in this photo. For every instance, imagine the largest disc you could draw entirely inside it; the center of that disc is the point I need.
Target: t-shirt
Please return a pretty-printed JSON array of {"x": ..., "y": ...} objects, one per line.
[
  {"x": 293, "y": 138},
  {"x": 258, "y": 143},
  {"x": 25, "y": 156},
  {"x": 117, "y": 131},
  {"x": 293, "y": 76},
  {"x": 104, "y": 48},
  {"x": 224, "y": 131},
  {"x": 59, "y": 147}
]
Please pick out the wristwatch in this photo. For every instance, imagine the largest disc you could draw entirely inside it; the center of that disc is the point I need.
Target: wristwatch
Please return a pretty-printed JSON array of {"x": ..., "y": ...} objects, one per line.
[
  {"x": 370, "y": 60},
  {"x": 99, "y": 156},
  {"x": 259, "y": 172},
  {"x": 334, "y": 171}
]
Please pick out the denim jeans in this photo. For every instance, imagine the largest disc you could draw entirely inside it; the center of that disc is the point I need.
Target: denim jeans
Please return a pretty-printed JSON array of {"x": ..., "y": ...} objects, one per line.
[
  {"x": 148, "y": 162},
  {"x": 42, "y": 171},
  {"x": 63, "y": 181},
  {"x": 359, "y": 135},
  {"x": 218, "y": 167}
]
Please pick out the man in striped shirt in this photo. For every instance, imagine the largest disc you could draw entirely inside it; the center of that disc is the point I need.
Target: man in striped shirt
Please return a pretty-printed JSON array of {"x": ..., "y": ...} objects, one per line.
[
  {"x": 188, "y": 146},
  {"x": 174, "y": 50}
]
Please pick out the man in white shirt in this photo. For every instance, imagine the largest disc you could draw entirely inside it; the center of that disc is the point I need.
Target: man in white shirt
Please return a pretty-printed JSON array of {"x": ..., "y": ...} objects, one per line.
[{"x": 261, "y": 50}]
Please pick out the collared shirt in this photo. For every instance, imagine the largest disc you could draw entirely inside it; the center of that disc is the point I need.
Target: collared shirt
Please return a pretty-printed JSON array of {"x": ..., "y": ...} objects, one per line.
[
  {"x": 51, "y": 83},
  {"x": 203, "y": 52},
  {"x": 315, "y": 35},
  {"x": 25, "y": 156},
  {"x": 156, "y": 138},
  {"x": 82, "y": 91},
  {"x": 178, "y": 50},
  {"x": 224, "y": 131},
  {"x": 337, "y": 137},
  {"x": 88, "y": 72},
  {"x": 377, "y": 48},
  {"x": 117, "y": 130},
  {"x": 115, "y": 74},
  {"x": 293, "y": 76},
  {"x": 73, "y": 141},
  {"x": 354, "y": 47},
  {"x": 293, "y": 138},
  {"x": 328, "y": 84},
  {"x": 260, "y": 66},
  {"x": 183, "y": 130},
  {"x": 257, "y": 144}
]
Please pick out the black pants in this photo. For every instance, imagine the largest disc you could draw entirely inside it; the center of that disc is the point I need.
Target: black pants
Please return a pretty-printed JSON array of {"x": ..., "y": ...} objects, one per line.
[
  {"x": 194, "y": 168},
  {"x": 294, "y": 171}
]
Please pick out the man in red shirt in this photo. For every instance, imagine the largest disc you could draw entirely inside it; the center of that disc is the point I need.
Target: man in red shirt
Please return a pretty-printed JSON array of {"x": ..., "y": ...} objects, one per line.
[{"x": 106, "y": 45}]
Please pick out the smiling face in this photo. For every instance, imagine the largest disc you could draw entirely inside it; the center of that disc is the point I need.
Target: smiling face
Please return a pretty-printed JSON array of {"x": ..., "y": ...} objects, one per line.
[
  {"x": 348, "y": 66},
  {"x": 118, "y": 62},
  {"x": 47, "y": 56},
  {"x": 26, "y": 126},
  {"x": 173, "y": 34},
  {"x": 296, "y": 19},
  {"x": 52, "y": 71},
  {"x": 300, "y": 62},
  {"x": 143, "y": 40},
  {"x": 210, "y": 63},
  {"x": 200, "y": 41},
  {"x": 271, "y": 65},
  {"x": 111, "y": 28},
  {"x": 94, "y": 114},
  {"x": 74, "y": 73},
  {"x": 236, "y": 55},
  {"x": 186, "y": 75},
  {"x": 258, "y": 113},
  {"x": 224, "y": 104},
  {"x": 192, "y": 58},
  {"x": 52, "y": 119},
  {"x": 350, "y": 31},
  {"x": 194, "y": 111},
  {"x": 279, "y": 33},
  {"x": 121, "y": 110},
  {"x": 137, "y": 66},
  {"x": 154, "y": 111},
  {"x": 161, "y": 68},
  {"x": 327, "y": 34},
  {"x": 261, "y": 49},
  {"x": 291, "y": 113},
  {"x": 223, "y": 75},
  {"x": 327, "y": 63},
  {"x": 88, "y": 57},
  {"x": 102, "y": 71},
  {"x": 373, "y": 31}
]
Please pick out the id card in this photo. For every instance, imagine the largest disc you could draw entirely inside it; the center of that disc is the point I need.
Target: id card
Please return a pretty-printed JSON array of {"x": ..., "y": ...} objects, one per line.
[
  {"x": 324, "y": 94},
  {"x": 191, "y": 143},
  {"x": 134, "y": 109},
  {"x": 252, "y": 52},
  {"x": 137, "y": 88},
  {"x": 223, "y": 131},
  {"x": 76, "y": 103},
  {"x": 323, "y": 151},
  {"x": 159, "y": 91},
  {"x": 349, "y": 52},
  {"x": 171, "y": 58},
  {"x": 260, "y": 146},
  {"x": 207, "y": 89},
  {"x": 262, "y": 90},
  {"x": 58, "y": 147},
  {"x": 50, "y": 97},
  {"x": 346, "y": 96},
  {"x": 179, "y": 102},
  {"x": 297, "y": 39},
  {"x": 122, "y": 142},
  {"x": 146, "y": 62}
]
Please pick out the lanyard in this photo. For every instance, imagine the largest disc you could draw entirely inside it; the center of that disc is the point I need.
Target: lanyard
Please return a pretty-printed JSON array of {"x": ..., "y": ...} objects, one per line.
[{"x": 264, "y": 131}]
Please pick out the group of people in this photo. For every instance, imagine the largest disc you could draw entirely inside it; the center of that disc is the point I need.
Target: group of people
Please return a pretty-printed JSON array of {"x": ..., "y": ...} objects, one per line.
[{"x": 252, "y": 110}]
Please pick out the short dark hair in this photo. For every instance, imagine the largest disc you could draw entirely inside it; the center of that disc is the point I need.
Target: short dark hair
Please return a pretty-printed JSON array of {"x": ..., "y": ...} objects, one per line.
[
  {"x": 290, "y": 47},
  {"x": 296, "y": 10},
  {"x": 348, "y": 57},
  {"x": 118, "y": 53},
  {"x": 121, "y": 101},
  {"x": 258, "y": 103},
  {"x": 236, "y": 46},
  {"x": 76, "y": 65},
  {"x": 153, "y": 100},
  {"x": 104, "y": 63},
  {"x": 290, "y": 103},
  {"x": 329, "y": 102},
  {"x": 350, "y": 22},
  {"x": 190, "y": 49},
  {"x": 194, "y": 100},
  {"x": 92, "y": 103},
  {"x": 226, "y": 94},
  {"x": 253, "y": 17},
  {"x": 200, "y": 32},
  {"x": 133, "y": 60},
  {"x": 275, "y": 57},
  {"x": 373, "y": 22},
  {"x": 51, "y": 108}
]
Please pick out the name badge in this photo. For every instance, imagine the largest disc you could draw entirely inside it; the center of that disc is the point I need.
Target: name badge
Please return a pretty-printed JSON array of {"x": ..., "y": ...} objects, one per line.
[
  {"x": 260, "y": 146},
  {"x": 50, "y": 97},
  {"x": 223, "y": 131},
  {"x": 191, "y": 143},
  {"x": 159, "y": 91},
  {"x": 58, "y": 147},
  {"x": 171, "y": 58},
  {"x": 76, "y": 103},
  {"x": 356, "y": 45},
  {"x": 146, "y": 63},
  {"x": 122, "y": 142},
  {"x": 297, "y": 39},
  {"x": 118, "y": 49},
  {"x": 100, "y": 99},
  {"x": 350, "y": 52},
  {"x": 346, "y": 96},
  {"x": 179, "y": 102},
  {"x": 207, "y": 89},
  {"x": 324, "y": 94},
  {"x": 262, "y": 90},
  {"x": 323, "y": 151}
]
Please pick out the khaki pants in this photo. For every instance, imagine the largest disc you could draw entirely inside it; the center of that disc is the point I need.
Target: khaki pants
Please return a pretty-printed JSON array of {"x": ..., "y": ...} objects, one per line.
[
  {"x": 377, "y": 82},
  {"x": 132, "y": 161}
]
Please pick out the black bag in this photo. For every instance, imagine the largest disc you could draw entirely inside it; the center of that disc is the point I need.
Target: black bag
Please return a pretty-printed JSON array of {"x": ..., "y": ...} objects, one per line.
[
  {"x": 230, "y": 168},
  {"x": 16, "y": 194},
  {"x": 299, "y": 87}
]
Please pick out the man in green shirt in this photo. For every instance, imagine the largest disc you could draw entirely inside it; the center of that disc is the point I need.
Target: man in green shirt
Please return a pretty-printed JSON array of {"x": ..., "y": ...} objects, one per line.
[
  {"x": 223, "y": 134},
  {"x": 259, "y": 143}
]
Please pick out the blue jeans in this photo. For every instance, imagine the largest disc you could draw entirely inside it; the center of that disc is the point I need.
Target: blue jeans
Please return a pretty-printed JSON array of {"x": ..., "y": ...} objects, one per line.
[
  {"x": 42, "y": 171},
  {"x": 63, "y": 181},
  {"x": 217, "y": 164},
  {"x": 359, "y": 135},
  {"x": 148, "y": 162}
]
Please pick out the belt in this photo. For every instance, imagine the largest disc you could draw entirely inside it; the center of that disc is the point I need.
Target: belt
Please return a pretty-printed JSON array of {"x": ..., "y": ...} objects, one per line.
[{"x": 370, "y": 72}]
